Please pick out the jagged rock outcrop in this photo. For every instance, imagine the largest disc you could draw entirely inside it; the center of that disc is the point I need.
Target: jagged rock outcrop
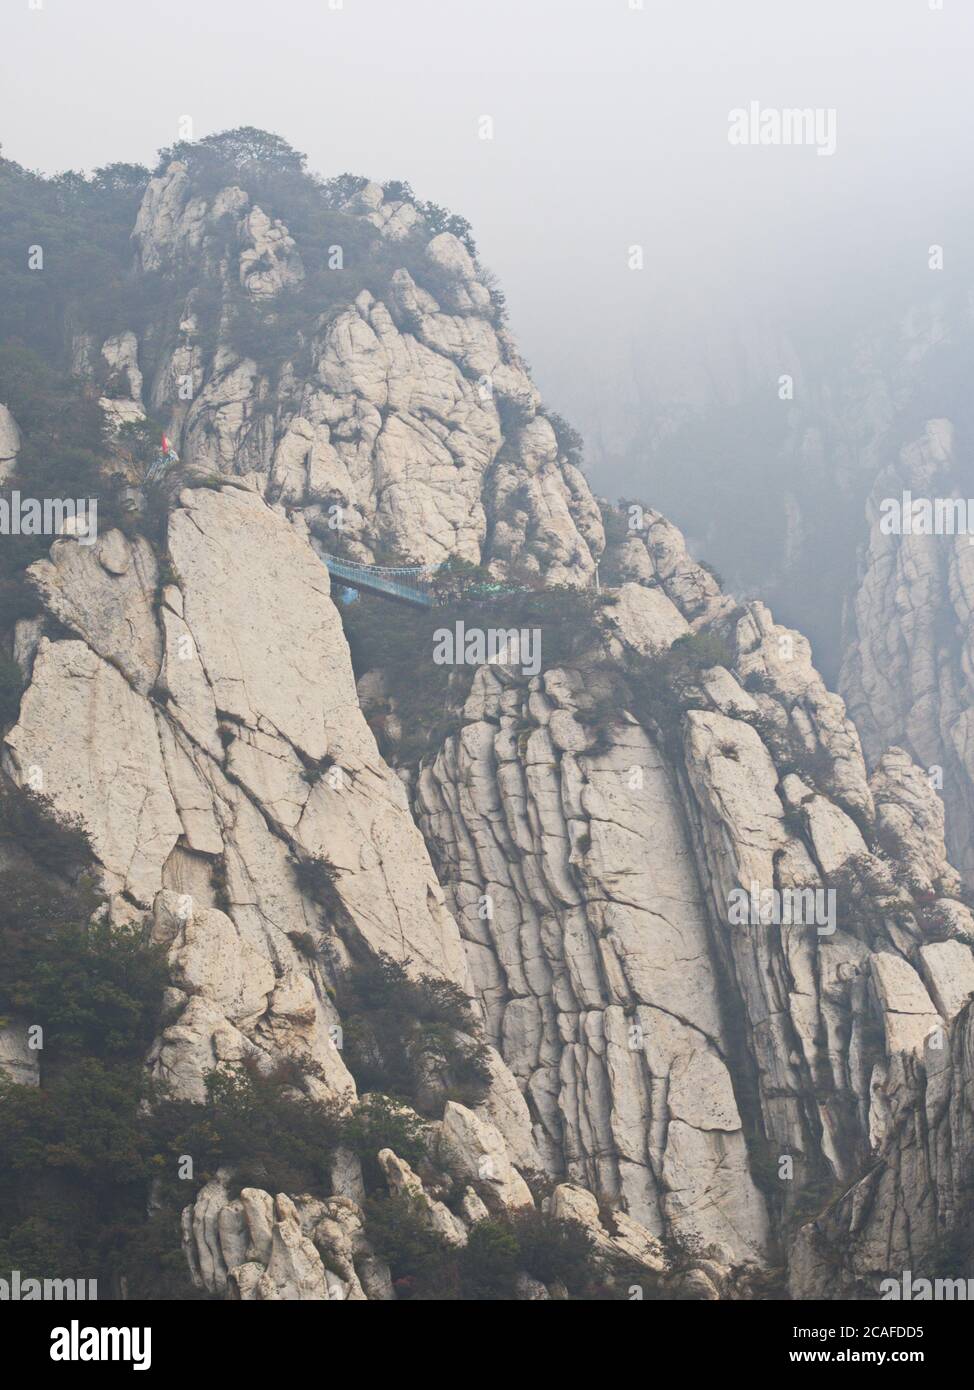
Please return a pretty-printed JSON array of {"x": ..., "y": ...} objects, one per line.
[
  {"x": 577, "y": 895},
  {"x": 883, "y": 412},
  {"x": 591, "y": 873},
  {"x": 669, "y": 1071},
  {"x": 258, "y": 1248},
  {"x": 211, "y": 771},
  {"x": 416, "y": 417},
  {"x": 908, "y": 672},
  {"x": 909, "y": 1216}
]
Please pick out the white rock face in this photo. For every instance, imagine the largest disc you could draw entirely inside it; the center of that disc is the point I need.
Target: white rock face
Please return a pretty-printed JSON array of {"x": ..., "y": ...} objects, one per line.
[
  {"x": 121, "y": 354},
  {"x": 209, "y": 959},
  {"x": 649, "y": 620},
  {"x": 402, "y": 418},
  {"x": 481, "y": 1153},
  {"x": 105, "y": 594},
  {"x": 593, "y": 962},
  {"x": 255, "y": 599},
  {"x": 438, "y": 1217},
  {"x": 257, "y": 1248},
  {"x": 90, "y": 743},
  {"x": 568, "y": 857},
  {"x": 199, "y": 776},
  {"x": 910, "y": 1016},
  {"x": 900, "y": 1214},
  {"x": 948, "y": 968},
  {"x": 270, "y": 263},
  {"x": 608, "y": 873},
  {"x": 629, "y": 1239},
  {"x": 262, "y": 1249}
]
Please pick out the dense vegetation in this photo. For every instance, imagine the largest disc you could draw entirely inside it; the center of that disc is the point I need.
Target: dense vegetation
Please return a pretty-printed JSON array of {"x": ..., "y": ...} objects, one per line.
[
  {"x": 73, "y": 1159},
  {"x": 411, "y": 1038},
  {"x": 500, "y": 1248},
  {"x": 62, "y": 455},
  {"x": 399, "y": 642},
  {"x": 82, "y": 227}
]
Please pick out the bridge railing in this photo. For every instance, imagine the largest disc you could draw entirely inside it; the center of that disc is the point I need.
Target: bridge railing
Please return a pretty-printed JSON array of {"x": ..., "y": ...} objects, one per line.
[{"x": 410, "y": 585}]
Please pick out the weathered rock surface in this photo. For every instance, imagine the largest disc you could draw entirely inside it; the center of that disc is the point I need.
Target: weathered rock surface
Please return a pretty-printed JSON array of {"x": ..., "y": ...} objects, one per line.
[
  {"x": 259, "y": 652},
  {"x": 592, "y": 957},
  {"x": 89, "y": 742},
  {"x": 257, "y": 1248},
  {"x": 109, "y": 603},
  {"x": 9, "y": 442},
  {"x": 569, "y": 857},
  {"x": 908, "y": 670},
  {"x": 592, "y": 877},
  {"x": 402, "y": 420},
  {"x": 910, "y": 1213},
  {"x": 19, "y": 1062}
]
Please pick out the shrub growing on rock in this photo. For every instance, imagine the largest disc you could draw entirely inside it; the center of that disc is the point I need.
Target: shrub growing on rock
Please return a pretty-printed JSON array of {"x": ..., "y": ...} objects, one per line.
[{"x": 411, "y": 1038}]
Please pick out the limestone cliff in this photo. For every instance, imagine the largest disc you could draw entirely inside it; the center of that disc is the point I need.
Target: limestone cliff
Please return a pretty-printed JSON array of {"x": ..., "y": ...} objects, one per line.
[
  {"x": 664, "y": 1074},
  {"x": 908, "y": 670}
]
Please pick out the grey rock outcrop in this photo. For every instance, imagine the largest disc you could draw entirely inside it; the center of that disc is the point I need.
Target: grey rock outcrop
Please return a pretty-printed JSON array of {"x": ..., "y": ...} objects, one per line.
[
  {"x": 571, "y": 858},
  {"x": 9, "y": 443},
  {"x": 416, "y": 418},
  {"x": 908, "y": 673},
  {"x": 19, "y": 1062}
]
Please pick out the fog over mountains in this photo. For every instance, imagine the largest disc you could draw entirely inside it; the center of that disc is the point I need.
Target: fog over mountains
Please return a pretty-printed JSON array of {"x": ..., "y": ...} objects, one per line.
[{"x": 487, "y": 780}]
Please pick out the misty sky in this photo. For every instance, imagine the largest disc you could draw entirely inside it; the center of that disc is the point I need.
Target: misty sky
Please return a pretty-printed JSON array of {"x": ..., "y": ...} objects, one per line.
[{"x": 610, "y": 129}]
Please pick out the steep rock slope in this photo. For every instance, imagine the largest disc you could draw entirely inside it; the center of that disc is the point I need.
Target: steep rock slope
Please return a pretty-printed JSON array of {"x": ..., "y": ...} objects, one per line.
[
  {"x": 205, "y": 775},
  {"x": 632, "y": 840},
  {"x": 776, "y": 458},
  {"x": 568, "y": 857},
  {"x": 908, "y": 671}
]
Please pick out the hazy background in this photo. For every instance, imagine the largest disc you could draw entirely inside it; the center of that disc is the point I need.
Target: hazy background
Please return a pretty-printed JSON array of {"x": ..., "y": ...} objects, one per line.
[{"x": 610, "y": 130}]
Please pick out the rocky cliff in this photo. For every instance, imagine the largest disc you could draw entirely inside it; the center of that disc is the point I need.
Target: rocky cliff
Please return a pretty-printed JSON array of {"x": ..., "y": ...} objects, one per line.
[
  {"x": 908, "y": 670},
  {"x": 723, "y": 1101},
  {"x": 777, "y": 454}
]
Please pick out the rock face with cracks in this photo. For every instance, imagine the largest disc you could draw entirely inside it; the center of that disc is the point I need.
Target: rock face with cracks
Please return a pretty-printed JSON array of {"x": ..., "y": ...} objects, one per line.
[
  {"x": 416, "y": 417},
  {"x": 908, "y": 671},
  {"x": 568, "y": 858}
]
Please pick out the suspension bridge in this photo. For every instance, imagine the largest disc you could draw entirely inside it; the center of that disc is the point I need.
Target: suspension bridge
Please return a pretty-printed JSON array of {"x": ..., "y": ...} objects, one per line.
[{"x": 407, "y": 584}]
